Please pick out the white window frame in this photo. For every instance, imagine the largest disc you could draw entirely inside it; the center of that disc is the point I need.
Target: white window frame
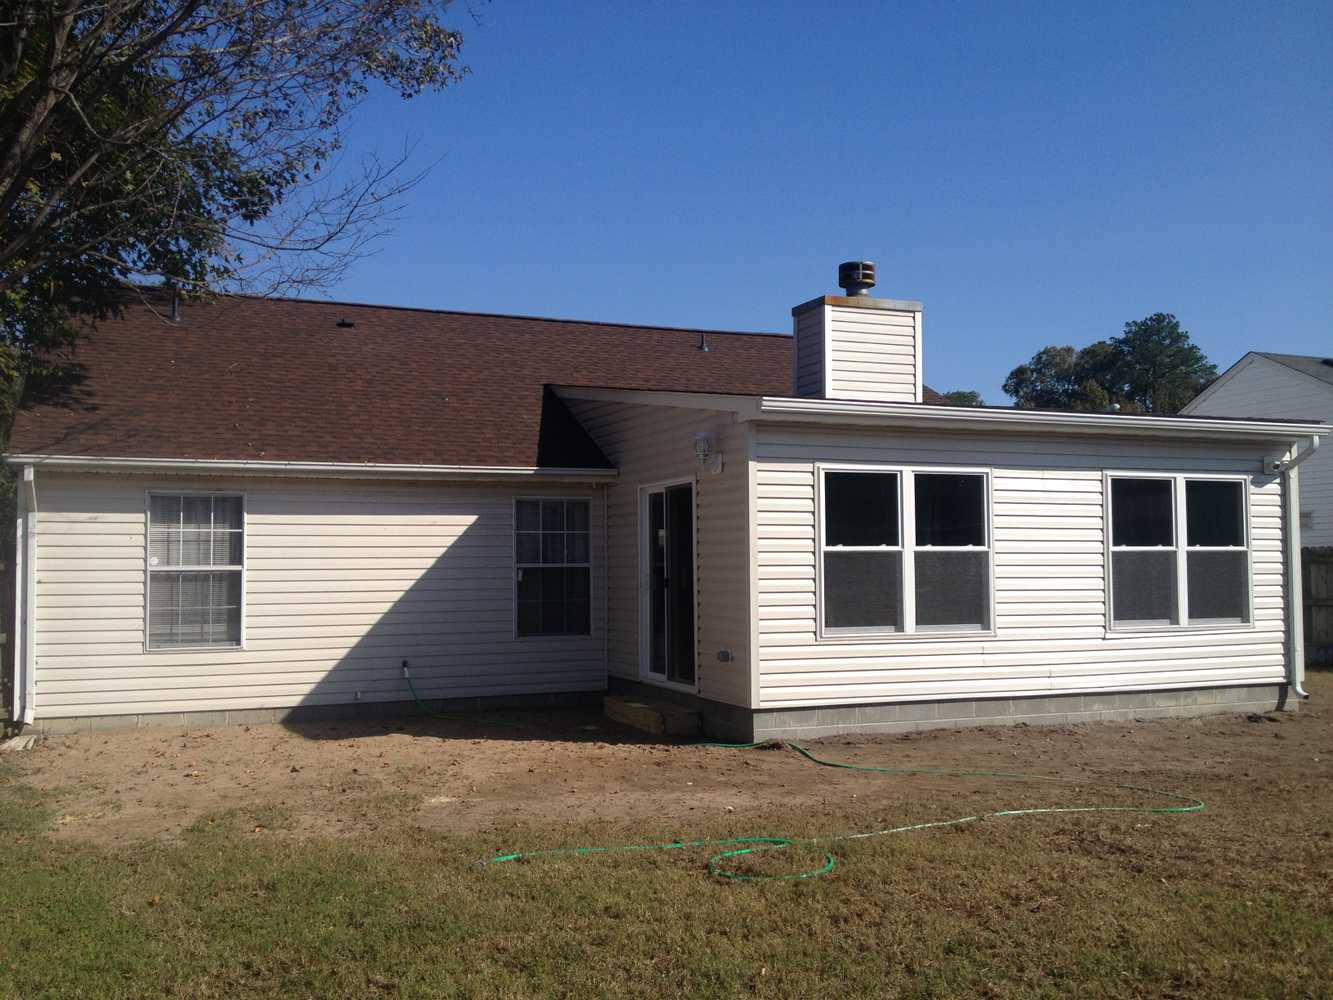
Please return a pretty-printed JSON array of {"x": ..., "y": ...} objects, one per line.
[
  {"x": 148, "y": 646},
  {"x": 908, "y": 547},
  {"x": 517, "y": 567},
  {"x": 1181, "y": 547}
]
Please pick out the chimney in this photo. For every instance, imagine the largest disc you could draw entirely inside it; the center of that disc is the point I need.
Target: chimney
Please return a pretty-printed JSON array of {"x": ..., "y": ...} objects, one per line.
[{"x": 855, "y": 347}]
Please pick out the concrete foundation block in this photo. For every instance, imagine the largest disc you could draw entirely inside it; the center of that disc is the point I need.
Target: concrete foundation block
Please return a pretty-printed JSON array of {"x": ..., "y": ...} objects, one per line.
[
  {"x": 107, "y": 723},
  {"x": 161, "y": 720},
  {"x": 917, "y": 711},
  {"x": 877, "y": 715},
  {"x": 61, "y": 727},
  {"x": 842, "y": 717},
  {"x": 657, "y": 718},
  {"x": 199, "y": 720},
  {"x": 1099, "y": 703},
  {"x": 252, "y": 716},
  {"x": 956, "y": 710}
]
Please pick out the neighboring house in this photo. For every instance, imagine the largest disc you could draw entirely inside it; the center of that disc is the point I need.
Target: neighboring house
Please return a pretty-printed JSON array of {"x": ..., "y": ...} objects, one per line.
[
  {"x": 1295, "y": 386},
  {"x": 268, "y": 509}
]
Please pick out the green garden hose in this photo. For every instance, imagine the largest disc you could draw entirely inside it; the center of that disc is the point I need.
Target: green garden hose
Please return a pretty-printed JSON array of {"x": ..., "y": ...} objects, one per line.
[
  {"x": 452, "y": 716},
  {"x": 741, "y": 846}
]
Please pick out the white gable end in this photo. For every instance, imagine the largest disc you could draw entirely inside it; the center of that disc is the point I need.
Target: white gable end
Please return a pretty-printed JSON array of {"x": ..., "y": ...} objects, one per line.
[{"x": 1259, "y": 387}]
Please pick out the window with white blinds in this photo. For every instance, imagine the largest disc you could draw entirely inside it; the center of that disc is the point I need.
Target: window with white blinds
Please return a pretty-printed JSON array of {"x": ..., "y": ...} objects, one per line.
[{"x": 196, "y": 557}]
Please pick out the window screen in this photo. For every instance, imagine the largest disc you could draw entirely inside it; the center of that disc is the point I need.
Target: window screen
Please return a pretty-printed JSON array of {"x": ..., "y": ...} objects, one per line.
[
  {"x": 554, "y": 565},
  {"x": 1217, "y": 560},
  {"x": 1215, "y": 512},
  {"x": 950, "y": 509},
  {"x": 860, "y": 508},
  {"x": 952, "y": 589},
  {"x": 863, "y": 589},
  {"x": 1143, "y": 587},
  {"x": 870, "y": 570},
  {"x": 1143, "y": 578},
  {"x": 1218, "y": 585},
  {"x": 1164, "y": 572},
  {"x": 195, "y": 556},
  {"x": 863, "y": 565},
  {"x": 1141, "y": 512}
]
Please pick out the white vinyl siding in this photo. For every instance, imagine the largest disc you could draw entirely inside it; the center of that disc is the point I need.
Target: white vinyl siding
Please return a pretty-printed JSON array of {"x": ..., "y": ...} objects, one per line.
[
  {"x": 872, "y": 355},
  {"x": 857, "y": 352},
  {"x": 344, "y": 580},
  {"x": 1264, "y": 388},
  {"x": 652, "y": 445},
  {"x": 808, "y": 353},
  {"x": 1050, "y": 623}
]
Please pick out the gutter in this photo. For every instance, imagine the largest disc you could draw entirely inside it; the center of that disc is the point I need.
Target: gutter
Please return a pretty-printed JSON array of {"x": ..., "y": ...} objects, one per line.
[
  {"x": 828, "y": 411},
  {"x": 333, "y": 470}
]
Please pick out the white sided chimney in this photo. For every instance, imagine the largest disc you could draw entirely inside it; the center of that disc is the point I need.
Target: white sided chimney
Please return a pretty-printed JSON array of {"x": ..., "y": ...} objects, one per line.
[{"x": 853, "y": 346}]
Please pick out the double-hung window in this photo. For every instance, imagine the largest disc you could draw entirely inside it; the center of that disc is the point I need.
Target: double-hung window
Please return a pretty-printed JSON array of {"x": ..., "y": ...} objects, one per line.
[
  {"x": 553, "y": 563},
  {"x": 196, "y": 558},
  {"x": 904, "y": 550},
  {"x": 1179, "y": 551}
]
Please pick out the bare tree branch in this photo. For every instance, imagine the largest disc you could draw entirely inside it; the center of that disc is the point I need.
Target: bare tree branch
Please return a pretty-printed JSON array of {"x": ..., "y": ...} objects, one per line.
[{"x": 194, "y": 141}]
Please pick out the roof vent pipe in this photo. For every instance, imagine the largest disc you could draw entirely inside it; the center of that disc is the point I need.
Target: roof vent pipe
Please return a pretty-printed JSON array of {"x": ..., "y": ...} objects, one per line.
[{"x": 857, "y": 277}]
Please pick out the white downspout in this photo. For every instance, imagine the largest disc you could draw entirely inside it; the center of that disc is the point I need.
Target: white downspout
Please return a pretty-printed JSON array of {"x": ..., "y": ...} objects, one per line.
[
  {"x": 20, "y": 582},
  {"x": 25, "y": 599},
  {"x": 1291, "y": 496}
]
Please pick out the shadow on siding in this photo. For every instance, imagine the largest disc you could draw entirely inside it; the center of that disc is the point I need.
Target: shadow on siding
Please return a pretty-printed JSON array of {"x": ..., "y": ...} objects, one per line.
[{"x": 451, "y": 621}]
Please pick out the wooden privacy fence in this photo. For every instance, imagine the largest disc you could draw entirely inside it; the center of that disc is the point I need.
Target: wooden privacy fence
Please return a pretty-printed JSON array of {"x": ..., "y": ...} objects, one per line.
[{"x": 1317, "y": 574}]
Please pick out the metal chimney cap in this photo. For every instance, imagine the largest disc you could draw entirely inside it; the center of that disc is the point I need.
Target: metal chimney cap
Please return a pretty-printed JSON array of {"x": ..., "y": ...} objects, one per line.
[{"x": 856, "y": 277}]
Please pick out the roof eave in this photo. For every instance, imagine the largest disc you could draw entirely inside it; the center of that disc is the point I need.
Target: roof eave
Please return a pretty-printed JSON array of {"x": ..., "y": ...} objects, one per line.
[
  {"x": 923, "y": 416},
  {"x": 323, "y": 470}
]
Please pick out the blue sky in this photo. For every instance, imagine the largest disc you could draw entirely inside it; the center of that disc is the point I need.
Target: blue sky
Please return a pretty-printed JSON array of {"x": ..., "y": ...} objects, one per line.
[{"x": 1035, "y": 174}]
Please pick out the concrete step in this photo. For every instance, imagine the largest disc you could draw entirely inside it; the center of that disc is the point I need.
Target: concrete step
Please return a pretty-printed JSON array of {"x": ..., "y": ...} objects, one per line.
[{"x": 656, "y": 717}]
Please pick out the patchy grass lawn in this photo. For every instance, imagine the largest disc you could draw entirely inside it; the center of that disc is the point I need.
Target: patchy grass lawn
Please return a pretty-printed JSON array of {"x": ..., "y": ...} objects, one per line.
[{"x": 341, "y": 861}]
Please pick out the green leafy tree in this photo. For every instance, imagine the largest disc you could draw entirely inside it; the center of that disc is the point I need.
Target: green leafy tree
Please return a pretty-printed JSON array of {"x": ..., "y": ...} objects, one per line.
[
  {"x": 1048, "y": 382},
  {"x": 1152, "y": 367},
  {"x": 1158, "y": 366},
  {"x": 964, "y": 397},
  {"x": 189, "y": 141}
]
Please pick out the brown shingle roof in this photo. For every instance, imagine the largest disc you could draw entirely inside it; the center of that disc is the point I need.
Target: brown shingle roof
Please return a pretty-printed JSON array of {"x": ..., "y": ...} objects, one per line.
[{"x": 280, "y": 380}]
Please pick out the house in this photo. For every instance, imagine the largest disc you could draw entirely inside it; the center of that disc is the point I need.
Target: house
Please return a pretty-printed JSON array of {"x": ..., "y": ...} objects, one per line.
[
  {"x": 1262, "y": 384},
  {"x": 273, "y": 509}
]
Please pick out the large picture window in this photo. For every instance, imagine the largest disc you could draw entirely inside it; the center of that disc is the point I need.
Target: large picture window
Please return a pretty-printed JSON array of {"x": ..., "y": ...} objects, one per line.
[
  {"x": 553, "y": 561},
  {"x": 196, "y": 556},
  {"x": 904, "y": 551},
  {"x": 1179, "y": 551}
]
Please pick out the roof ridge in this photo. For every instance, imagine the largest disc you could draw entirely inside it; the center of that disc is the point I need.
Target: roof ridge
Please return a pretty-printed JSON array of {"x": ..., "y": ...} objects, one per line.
[{"x": 495, "y": 315}]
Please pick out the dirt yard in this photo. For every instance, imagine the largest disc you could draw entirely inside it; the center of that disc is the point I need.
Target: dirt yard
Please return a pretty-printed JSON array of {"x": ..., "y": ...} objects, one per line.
[
  {"x": 575, "y": 768},
  {"x": 341, "y": 860}
]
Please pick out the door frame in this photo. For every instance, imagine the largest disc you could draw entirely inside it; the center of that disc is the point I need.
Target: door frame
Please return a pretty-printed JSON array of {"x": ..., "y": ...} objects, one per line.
[{"x": 646, "y": 584}]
